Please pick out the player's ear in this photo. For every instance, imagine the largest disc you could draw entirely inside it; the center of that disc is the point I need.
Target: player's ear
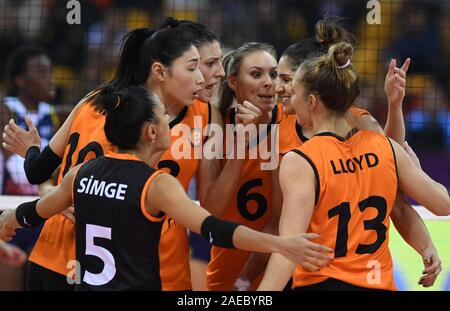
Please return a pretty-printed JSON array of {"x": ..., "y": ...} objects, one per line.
[
  {"x": 150, "y": 132},
  {"x": 158, "y": 71},
  {"x": 312, "y": 101},
  {"x": 232, "y": 83}
]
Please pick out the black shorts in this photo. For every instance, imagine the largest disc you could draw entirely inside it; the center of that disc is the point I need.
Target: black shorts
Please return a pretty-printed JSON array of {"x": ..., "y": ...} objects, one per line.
[
  {"x": 43, "y": 279},
  {"x": 333, "y": 285}
]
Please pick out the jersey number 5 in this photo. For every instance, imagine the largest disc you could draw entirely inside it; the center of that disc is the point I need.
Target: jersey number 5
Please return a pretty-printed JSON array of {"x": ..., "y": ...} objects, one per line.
[{"x": 109, "y": 267}]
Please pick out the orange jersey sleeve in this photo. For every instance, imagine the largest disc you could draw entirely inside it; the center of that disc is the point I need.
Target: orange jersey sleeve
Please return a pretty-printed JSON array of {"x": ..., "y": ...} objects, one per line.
[
  {"x": 359, "y": 112},
  {"x": 290, "y": 134}
]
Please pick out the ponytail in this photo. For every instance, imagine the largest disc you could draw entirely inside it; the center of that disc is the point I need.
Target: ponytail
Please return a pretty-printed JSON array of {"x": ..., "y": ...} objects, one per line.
[{"x": 331, "y": 77}]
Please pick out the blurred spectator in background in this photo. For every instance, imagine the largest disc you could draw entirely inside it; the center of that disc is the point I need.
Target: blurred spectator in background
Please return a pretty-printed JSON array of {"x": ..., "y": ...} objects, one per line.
[
  {"x": 419, "y": 38},
  {"x": 30, "y": 88}
]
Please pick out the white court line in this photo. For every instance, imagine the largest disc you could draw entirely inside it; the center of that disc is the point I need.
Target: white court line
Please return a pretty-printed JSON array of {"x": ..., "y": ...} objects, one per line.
[{"x": 12, "y": 201}]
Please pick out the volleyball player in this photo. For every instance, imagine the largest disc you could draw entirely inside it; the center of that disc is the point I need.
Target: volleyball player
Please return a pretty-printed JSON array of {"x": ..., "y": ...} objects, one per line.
[
  {"x": 343, "y": 183},
  {"x": 121, "y": 203},
  {"x": 250, "y": 76},
  {"x": 406, "y": 220},
  {"x": 82, "y": 138}
]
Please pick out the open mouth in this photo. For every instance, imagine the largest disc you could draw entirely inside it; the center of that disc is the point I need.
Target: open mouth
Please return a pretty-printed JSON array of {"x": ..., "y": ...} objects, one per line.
[
  {"x": 285, "y": 100},
  {"x": 195, "y": 94},
  {"x": 209, "y": 87},
  {"x": 267, "y": 99}
]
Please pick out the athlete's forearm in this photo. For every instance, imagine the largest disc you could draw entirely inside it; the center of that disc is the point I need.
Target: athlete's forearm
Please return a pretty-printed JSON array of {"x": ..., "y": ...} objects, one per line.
[
  {"x": 39, "y": 166},
  {"x": 223, "y": 188},
  {"x": 279, "y": 271},
  {"x": 395, "y": 124},
  {"x": 410, "y": 225},
  {"x": 255, "y": 241}
]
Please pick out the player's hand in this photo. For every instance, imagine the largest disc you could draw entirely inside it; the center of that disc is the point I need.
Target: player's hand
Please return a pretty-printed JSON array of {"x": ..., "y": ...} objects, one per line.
[
  {"x": 247, "y": 113},
  {"x": 8, "y": 225},
  {"x": 17, "y": 140},
  {"x": 69, "y": 214},
  {"x": 432, "y": 264},
  {"x": 11, "y": 255},
  {"x": 395, "y": 83},
  {"x": 301, "y": 250}
]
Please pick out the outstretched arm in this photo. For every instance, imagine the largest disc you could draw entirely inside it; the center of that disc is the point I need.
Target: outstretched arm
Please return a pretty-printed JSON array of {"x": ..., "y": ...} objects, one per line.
[
  {"x": 298, "y": 186},
  {"x": 31, "y": 214},
  {"x": 394, "y": 87},
  {"x": 415, "y": 183},
  {"x": 166, "y": 194}
]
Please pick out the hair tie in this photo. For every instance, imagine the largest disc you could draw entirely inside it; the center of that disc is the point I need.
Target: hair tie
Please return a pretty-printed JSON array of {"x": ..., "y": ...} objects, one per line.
[
  {"x": 118, "y": 103},
  {"x": 345, "y": 65}
]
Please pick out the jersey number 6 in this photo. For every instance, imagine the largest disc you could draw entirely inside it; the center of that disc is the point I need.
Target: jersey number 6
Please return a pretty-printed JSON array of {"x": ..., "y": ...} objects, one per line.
[{"x": 243, "y": 198}]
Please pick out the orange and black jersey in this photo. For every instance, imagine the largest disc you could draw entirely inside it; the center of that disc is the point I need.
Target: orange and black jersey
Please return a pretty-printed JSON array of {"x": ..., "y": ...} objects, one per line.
[
  {"x": 250, "y": 205},
  {"x": 56, "y": 244},
  {"x": 187, "y": 131},
  {"x": 291, "y": 133},
  {"x": 116, "y": 238},
  {"x": 356, "y": 186}
]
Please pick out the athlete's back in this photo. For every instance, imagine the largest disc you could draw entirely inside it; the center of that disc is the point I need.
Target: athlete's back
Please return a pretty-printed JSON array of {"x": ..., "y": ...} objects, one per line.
[
  {"x": 117, "y": 239},
  {"x": 355, "y": 193}
]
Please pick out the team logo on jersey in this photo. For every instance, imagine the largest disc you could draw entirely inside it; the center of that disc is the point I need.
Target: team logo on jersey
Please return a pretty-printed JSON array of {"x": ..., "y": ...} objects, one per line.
[{"x": 196, "y": 137}]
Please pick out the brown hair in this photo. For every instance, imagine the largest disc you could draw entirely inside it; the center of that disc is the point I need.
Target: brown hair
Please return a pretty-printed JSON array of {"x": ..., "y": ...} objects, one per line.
[
  {"x": 231, "y": 63},
  {"x": 331, "y": 77},
  {"x": 332, "y": 31}
]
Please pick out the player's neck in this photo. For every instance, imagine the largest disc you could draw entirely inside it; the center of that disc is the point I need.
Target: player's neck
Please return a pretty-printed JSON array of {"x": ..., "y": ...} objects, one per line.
[
  {"x": 331, "y": 122},
  {"x": 173, "y": 109}
]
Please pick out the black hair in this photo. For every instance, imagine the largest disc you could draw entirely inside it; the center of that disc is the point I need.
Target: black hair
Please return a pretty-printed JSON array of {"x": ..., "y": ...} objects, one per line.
[
  {"x": 128, "y": 71},
  {"x": 200, "y": 33},
  {"x": 298, "y": 52},
  {"x": 17, "y": 63},
  {"x": 164, "y": 46},
  {"x": 126, "y": 111},
  {"x": 140, "y": 49}
]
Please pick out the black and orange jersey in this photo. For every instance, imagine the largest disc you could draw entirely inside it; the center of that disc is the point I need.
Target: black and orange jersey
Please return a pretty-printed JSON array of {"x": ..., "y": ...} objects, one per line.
[
  {"x": 291, "y": 133},
  {"x": 250, "y": 205},
  {"x": 116, "y": 238},
  {"x": 356, "y": 186},
  {"x": 55, "y": 247},
  {"x": 181, "y": 161}
]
